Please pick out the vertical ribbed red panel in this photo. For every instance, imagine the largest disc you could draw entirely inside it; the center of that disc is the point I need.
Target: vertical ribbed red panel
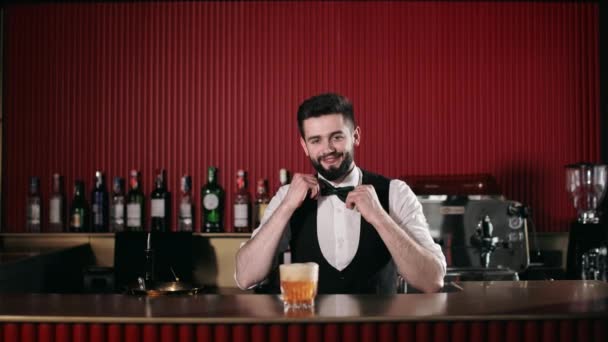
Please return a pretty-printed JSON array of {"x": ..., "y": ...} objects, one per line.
[
  {"x": 63, "y": 333},
  {"x": 259, "y": 333},
  {"x": 46, "y": 332},
  {"x": 98, "y": 333},
  {"x": 241, "y": 333},
  {"x": 508, "y": 331},
  {"x": 185, "y": 333},
  {"x": 276, "y": 333},
  {"x": 204, "y": 333},
  {"x": 331, "y": 332},
  {"x": 115, "y": 333},
  {"x": 507, "y": 88},
  {"x": 10, "y": 332},
  {"x": 222, "y": 333}
]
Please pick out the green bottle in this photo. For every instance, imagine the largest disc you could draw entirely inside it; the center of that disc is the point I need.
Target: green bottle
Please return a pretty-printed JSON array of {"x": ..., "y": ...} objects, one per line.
[
  {"x": 213, "y": 203},
  {"x": 79, "y": 210},
  {"x": 135, "y": 204}
]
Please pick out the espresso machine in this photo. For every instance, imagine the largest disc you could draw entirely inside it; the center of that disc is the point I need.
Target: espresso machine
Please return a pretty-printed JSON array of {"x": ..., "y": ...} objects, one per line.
[
  {"x": 588, "y": 238},
  {"x": 483, "y": 235}
]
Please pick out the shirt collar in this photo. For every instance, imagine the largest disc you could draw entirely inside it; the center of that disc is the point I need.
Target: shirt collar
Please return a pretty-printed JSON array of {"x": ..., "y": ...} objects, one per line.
[{"x": 353, "y": 178}]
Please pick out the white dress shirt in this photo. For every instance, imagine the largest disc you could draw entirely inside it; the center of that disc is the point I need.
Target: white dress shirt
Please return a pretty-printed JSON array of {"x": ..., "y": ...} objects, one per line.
[{"x": 338, "y": 227}]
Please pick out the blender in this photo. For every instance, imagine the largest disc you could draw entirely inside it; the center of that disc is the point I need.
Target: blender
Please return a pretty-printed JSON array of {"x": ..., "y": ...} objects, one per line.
[{"x": 588, "y": 238}]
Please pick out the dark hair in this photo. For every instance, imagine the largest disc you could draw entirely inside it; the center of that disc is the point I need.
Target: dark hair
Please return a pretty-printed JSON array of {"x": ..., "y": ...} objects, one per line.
[{"x": 324, "y": 104}]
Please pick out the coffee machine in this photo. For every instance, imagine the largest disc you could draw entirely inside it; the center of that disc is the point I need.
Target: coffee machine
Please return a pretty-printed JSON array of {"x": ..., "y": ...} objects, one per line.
[
  {"x": 483, "y": 235},
  {"x": 588, "y": 238}
]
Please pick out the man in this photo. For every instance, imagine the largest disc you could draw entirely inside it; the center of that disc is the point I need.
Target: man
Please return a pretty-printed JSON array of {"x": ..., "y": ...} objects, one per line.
[{"x": 360, "y": 228}]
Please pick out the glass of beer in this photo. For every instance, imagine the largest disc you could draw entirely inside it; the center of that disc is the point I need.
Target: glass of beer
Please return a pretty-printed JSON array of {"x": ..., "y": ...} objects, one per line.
[{"x": 299, "y": 284}]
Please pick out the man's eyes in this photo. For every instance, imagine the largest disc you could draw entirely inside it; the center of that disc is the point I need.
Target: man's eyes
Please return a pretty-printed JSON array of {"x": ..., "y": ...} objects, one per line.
[{"x": 334, "y": 138}]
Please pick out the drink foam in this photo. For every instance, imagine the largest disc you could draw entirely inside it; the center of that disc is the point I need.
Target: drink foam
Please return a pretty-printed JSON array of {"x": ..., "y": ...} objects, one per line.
[{"x": 308, "y": 271}]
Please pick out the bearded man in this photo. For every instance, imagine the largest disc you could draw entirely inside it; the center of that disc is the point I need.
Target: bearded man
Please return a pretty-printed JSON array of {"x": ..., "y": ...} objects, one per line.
[{"x": 362, "y": 229}]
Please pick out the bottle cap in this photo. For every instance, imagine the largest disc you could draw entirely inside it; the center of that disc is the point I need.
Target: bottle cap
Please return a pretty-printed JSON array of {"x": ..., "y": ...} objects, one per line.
[
  {"x": 118, "y": 184},
  {"x": 34, "y": 184},
  {"x": 262, "y": 186},
  {"x": 283, "y": 176},
  {"x": 186, "y": 183}
]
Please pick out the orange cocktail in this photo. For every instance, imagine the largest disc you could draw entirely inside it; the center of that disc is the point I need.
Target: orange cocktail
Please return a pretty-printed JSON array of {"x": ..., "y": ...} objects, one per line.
[{"x": 299, "y": 284}]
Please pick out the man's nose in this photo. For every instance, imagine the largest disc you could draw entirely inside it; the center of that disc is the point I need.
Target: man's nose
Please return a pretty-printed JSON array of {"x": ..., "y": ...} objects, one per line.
[{"x": 328, "y": 147}]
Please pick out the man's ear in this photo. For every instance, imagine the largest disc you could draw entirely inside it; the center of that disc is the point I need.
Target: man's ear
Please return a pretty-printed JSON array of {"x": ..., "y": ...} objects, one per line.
[
  {"x": 357, "y": 136},
  {"x": 303, "y": 143}
]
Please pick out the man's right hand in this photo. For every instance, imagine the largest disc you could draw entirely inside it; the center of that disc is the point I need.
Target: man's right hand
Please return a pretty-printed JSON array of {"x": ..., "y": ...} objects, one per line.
[
  {"x": 301, "y": 185},
  {"x": 254, "y": 260}
]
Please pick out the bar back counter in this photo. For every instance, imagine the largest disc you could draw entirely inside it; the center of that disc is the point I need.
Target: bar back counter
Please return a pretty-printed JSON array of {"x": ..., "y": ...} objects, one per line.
[{"x": 478, "y": 311}]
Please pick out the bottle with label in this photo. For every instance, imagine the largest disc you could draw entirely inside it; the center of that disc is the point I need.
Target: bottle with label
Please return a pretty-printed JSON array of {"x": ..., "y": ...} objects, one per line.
[
  {"x": 34, "y": 207},
  {"x": 100, "y": 204},
  {"x": 57, "y": 205},
  {"x": 185, "y": 221},
  {"x": 117, "y": 206},
  {"x": 79, "y": 211},
  {"x": 283, "y": 177},
  {"x": 242, "y": 222},
  {"x": 261, "y": 202},
  {"x": 213, "y": 203},
  {"x": 135, "y": 204},
  {"x": 160, "y": 204}
]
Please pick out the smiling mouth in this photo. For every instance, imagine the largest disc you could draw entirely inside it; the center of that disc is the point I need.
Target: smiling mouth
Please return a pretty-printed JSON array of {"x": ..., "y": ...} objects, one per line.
[{"x": 331, "y": 159}]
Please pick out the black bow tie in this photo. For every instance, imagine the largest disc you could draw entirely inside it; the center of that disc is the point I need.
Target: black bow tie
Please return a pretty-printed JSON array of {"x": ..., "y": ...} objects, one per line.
[{"x": 328, "y": 190}]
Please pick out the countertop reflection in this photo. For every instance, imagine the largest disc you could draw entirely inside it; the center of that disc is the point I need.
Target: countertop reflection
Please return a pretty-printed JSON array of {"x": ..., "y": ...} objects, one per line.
[{"x": 477, "y": 300}]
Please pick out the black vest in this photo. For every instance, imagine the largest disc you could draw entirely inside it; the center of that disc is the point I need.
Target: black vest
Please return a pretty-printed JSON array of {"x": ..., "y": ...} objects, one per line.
[{"x": 362, "y": 275}]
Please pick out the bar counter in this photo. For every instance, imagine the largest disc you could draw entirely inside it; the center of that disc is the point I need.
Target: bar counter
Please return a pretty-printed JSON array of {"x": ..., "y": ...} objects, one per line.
[{"x": 483, "y": 311}]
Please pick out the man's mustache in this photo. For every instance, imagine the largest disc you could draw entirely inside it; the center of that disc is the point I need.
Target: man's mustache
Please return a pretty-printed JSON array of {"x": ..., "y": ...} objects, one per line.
[{"x": 332, "y": 154}]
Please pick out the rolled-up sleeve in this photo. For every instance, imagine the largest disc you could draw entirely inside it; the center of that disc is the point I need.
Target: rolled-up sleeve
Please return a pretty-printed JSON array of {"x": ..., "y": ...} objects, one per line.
[
  {"x": 284, "y": 242},
  {"x": 406, "y": 211}
]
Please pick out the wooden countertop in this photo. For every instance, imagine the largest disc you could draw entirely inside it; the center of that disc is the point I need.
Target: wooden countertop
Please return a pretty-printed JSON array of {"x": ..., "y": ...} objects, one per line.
[{"x": 478, "y": 301}]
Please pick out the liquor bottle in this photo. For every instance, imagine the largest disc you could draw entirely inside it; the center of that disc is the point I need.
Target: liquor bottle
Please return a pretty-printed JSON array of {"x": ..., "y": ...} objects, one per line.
[
  {"x": 283, "y": 177},
  {"x": 117, "y": 207},
  {"x": 100, "y": 204},
  {"x": 79, "y": 211},
  {"x": 241, "y": 204},
  {"x": 261, "y": 202},
  {"x": 135, "y": 204},
  {"x": 34, "y": 207},
  {"x": 57, "y": 205},
  {"x": 284, "y": 180},
  {"x": 213, "y": 203},
  {"x": 185, "y": 221},
  {"x": 160, "y": 204}
]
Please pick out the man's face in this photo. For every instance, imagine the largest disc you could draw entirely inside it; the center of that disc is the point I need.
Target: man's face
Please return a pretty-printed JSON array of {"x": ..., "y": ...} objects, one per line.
[{"x": 329, "y": 142}]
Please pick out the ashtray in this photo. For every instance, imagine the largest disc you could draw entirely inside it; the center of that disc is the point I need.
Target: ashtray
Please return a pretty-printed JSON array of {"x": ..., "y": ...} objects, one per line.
[{"x": 166, "y": 288}]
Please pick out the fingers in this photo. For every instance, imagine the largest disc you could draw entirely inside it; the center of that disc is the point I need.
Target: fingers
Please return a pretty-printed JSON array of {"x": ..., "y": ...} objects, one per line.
[
  {"x": 352, "y": 198},
  {"x": 350, "y": 204},
  {"x": 305, "y": 183},
  {"x": 312, "y": 185},
  {"x": 362, "y": 195}
]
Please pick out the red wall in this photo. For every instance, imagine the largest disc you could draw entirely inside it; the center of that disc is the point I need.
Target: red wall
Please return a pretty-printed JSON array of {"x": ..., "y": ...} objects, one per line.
[{"x": 508, "y": 88}]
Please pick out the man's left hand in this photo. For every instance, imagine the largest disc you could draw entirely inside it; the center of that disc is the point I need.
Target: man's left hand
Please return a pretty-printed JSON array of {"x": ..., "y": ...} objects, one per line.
[{"x": 365, "y": 200}]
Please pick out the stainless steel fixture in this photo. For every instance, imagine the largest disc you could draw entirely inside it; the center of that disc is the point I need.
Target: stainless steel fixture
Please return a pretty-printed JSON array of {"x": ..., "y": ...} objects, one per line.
[
  {"x": 483, "y": 235},
  {"x": 588, "y": 238}
]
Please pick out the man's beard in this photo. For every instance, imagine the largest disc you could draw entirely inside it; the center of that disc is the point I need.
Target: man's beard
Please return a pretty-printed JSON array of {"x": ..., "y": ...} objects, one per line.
[{"x": 334, "y": 172}]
